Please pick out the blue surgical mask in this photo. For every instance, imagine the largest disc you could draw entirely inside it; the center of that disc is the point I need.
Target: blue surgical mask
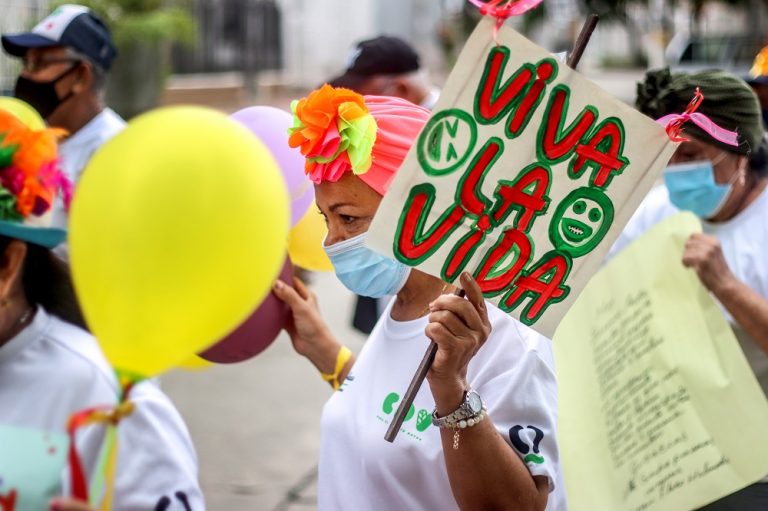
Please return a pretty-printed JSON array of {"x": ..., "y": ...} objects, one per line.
[
  {"x": 365, "y": 272},
  {"x": 692, "y": 187}
]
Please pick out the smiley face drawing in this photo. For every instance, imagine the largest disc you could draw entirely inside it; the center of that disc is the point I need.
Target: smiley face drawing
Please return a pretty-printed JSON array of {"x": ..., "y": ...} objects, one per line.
[{"x": 581, "y": 221}]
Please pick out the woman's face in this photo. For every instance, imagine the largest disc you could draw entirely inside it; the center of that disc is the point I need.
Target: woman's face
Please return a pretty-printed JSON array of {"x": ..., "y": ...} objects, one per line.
[
  {"x": 728, "y": 168},
  {"x": 348, "y": 206},
  {"x": 725, "y": 163}
]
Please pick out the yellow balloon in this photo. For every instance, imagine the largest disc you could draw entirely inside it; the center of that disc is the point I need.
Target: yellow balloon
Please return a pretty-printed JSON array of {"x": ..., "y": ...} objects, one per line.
[
  {"x": 195, "y": 363},
  {"x": 23, "y": 111},
  {"x": 177, "y": 232},
  {"x": 305, "y": 243}
]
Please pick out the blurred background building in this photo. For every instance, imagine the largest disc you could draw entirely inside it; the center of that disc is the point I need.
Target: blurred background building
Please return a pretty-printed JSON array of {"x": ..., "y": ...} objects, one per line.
[{"x": 233, "y": 51}]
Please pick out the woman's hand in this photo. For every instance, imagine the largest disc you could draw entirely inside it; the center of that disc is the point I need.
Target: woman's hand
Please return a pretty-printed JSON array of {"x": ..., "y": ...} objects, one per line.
[
  {"x": 459, "y": 327},
  {"x": 309, "y": 333},
  {"x": 704, "y": 254},
  {"x": 62, "y": 504}
]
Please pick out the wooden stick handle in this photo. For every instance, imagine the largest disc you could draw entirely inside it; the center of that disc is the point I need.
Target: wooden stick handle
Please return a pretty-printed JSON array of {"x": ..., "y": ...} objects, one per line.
[
  {"x": 582, "y": 41},
  {"x": 413, "y": 388},
  {"x": 429, "y": 356}
]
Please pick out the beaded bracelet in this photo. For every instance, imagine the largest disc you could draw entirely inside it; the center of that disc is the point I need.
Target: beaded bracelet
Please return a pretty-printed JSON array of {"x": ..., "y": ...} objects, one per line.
[{"x": 469, "y": 422}]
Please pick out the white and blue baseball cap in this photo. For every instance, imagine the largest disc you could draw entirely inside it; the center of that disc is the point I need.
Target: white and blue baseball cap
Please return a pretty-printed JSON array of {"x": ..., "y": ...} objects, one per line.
[{"x": 69, "y": 25}]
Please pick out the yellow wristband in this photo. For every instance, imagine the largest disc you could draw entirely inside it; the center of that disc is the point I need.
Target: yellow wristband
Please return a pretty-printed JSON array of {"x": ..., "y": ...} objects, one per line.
[{"x": 341, "y": 360}]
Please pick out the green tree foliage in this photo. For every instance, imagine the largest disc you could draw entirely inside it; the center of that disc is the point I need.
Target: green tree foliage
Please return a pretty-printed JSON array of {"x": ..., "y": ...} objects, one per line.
[{"x": 144, "y": 20}]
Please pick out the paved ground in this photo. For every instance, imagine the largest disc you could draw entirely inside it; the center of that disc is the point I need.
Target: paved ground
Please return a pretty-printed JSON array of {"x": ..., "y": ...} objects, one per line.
[{"x": 256, "y": 424}]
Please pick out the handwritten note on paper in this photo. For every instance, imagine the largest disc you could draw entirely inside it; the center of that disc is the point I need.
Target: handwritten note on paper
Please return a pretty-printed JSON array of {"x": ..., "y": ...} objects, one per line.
[
  {"x": 524, "y": 175},
  {"x": 31, "y": 466},
  {"x": 659, "y": 409}
]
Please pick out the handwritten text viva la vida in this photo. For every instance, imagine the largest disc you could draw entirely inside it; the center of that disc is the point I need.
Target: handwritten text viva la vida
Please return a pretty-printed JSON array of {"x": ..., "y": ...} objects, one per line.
[{"x": 579, "y": 222}]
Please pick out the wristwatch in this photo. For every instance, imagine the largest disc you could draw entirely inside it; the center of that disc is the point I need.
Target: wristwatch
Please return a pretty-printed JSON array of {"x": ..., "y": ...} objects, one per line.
[{"x": 471, "y": 406}]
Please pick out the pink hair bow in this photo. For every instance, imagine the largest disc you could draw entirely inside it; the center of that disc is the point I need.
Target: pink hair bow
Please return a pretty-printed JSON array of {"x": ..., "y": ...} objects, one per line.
[
  {"x": 501, "y": 13},
  {"x": 674, "y": 123}
]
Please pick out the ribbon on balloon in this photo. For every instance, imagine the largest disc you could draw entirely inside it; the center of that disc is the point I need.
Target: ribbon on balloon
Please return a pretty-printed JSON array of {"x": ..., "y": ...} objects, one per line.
[
  {"x": 503, "y": 12},
  {"x": 104, "y": 475},
  {"x": 674, "y": 123}
]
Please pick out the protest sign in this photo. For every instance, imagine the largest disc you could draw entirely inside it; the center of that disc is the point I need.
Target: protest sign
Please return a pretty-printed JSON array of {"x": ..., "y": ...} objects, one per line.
[
  {"x": 524, "y": 176},
  {"x": 659, "y": 409},
  {"x": 31, "y": 467}
]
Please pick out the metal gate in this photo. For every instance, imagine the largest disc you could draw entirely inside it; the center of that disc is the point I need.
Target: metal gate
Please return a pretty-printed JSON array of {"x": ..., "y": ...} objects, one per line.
[
  {"x": 233, "y": 35},
  {"x": 16, "y": 16}
]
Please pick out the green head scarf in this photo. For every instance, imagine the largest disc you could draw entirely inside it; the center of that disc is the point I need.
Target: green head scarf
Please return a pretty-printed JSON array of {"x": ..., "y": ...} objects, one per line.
[{"x": 728, "y": 101}]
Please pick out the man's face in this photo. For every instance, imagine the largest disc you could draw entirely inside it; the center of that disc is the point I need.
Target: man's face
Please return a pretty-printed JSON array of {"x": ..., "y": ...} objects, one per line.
[
  {"x": 379, "y": 85},
  {"x": 46, "y": 64},
  {"x": 398, "y": 86}
]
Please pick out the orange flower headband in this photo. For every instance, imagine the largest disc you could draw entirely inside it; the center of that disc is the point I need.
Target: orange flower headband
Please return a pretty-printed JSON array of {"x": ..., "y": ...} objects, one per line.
[
  {"x": 29, "y": 171},
  {"x": 334, "y": 131}
]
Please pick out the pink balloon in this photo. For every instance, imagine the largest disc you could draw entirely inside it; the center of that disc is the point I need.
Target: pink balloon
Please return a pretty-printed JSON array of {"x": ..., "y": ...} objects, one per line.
[
  {"x": 257, "y": 332},
  {"x": 270, "y": 125}
]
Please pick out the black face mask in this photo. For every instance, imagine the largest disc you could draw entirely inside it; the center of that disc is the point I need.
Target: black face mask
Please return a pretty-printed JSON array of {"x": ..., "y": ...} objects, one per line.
[{"x": 42, "y": 95}]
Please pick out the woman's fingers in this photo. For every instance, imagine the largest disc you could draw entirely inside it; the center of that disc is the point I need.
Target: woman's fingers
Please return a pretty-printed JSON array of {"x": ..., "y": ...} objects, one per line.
[
  {"x": 439, "y": 333},
  {"x": 288, "y": 294},
  {"x": 460, "y": 318},
  {"x": 451, "y": 322},
  {"x": 461, "y": 307},
  {"x": 475, "y": 296},
  {"x": 302, "y": 288}
]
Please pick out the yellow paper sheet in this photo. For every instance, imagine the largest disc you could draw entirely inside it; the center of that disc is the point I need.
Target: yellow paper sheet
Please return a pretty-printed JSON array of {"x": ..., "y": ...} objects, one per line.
[{"x": 659, "y": 409}]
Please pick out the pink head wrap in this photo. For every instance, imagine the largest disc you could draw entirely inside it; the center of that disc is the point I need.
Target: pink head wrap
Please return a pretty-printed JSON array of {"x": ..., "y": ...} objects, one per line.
[{"x": 340, "y": 131}]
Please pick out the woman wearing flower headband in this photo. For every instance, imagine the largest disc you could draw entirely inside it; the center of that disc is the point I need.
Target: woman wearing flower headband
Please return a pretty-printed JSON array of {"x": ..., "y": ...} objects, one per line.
[
  {"x": 50, "y": 367},
  {"x": 719, "y": 174},
  {"x": 481, "y": 435}
]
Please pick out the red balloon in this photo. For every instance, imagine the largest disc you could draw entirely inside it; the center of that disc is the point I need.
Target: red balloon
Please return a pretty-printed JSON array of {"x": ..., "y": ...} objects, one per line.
[{"x": 257, "y": 332}]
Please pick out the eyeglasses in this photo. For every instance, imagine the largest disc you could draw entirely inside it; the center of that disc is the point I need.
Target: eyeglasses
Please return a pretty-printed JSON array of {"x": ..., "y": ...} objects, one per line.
[{"x": 33, "y": 66}]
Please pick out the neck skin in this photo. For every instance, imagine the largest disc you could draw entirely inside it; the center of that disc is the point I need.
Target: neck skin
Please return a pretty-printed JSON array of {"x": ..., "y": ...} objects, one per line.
[
  {"x": 751, "y": 189},
  {"x": 412, "y": 302},
  {"x": 76, "y": 112},
  {"x": 11, "y": 324}
]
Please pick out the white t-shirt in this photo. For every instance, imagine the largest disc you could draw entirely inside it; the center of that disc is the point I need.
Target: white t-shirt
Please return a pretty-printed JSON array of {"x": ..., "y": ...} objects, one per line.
[
  {"x": 513, "y": 373},
  {"x": 744, "y": 240},
  {"x": 52, "y": 369},
  {"x": 77, "y": 150}
]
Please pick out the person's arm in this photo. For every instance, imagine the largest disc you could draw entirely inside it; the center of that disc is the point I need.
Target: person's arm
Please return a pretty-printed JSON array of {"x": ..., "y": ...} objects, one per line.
[
  {"x": 750, "y": 310},
  {"x": 484, "y": 472},
  {"x": 309, "y": 333}
]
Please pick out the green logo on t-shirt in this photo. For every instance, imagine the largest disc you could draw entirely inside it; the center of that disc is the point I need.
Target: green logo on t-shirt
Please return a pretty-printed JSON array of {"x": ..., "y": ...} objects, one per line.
[
  {"x": 521, "y": 443},
  {"x": 423, "y": 419}
]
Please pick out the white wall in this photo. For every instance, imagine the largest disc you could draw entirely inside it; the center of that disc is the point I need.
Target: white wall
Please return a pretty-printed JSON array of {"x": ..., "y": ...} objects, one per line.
[
  {"x": 318, "y": 36},
  {"x": 414, "y": 21}
]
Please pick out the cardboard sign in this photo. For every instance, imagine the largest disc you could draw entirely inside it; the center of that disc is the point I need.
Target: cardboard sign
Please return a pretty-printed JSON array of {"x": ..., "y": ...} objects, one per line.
[
  {"x": 659, "y": 409},
  {"x": 31, "y": 466},
  {"x": 524, "y": 176}
]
